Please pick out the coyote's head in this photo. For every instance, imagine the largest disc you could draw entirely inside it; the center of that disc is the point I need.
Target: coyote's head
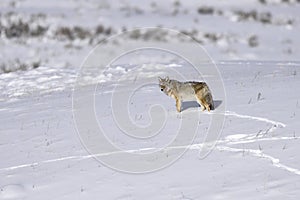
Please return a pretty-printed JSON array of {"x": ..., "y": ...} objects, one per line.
[{"x": 164, "y": 84}]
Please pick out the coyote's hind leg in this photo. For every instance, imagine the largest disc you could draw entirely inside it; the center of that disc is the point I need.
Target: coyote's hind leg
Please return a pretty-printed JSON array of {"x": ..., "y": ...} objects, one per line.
[{"x": 203, "y": 103}]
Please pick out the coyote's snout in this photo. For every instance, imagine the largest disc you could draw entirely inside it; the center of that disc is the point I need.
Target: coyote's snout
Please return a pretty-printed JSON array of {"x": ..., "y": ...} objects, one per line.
[{"x": 187, "y": 91}]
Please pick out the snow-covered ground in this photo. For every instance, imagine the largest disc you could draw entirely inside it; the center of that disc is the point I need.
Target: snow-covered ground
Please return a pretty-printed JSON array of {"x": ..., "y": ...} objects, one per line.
[
  {"x": 44, "y": 154},
  {"x": 255, "y": 157},
  {"x": 59, "y": 34}
]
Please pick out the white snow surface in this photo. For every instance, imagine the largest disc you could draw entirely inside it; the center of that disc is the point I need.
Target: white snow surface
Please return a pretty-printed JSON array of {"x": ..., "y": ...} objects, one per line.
[
  {"x": 256, "y": 156},
  {"x": 268, "y": 31}
]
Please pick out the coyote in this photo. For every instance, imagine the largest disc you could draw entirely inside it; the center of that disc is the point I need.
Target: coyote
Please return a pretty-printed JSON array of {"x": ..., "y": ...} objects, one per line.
[{"x": 182, "y": 91}]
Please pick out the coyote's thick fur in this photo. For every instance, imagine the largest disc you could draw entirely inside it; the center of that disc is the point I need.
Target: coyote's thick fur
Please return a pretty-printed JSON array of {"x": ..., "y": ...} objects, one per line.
[{"x": 187, "y": 91}]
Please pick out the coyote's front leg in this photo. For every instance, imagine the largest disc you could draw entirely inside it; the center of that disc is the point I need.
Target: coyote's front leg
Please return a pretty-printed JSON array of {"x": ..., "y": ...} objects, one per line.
[{"x": 178, "y": 104}]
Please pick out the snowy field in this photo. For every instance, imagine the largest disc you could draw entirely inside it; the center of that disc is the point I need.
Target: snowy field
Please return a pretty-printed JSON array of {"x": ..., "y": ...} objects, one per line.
[{"x": 255, "y": 47}]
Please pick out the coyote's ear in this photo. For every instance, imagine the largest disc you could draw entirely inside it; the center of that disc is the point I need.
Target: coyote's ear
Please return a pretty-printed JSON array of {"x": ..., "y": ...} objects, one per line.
[
  {"x": 167, "y": 78},
  {"x": 160, "y": 79}
]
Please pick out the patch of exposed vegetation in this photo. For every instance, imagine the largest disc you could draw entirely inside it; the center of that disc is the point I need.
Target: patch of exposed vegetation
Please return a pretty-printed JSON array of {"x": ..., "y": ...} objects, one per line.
[
  {"x": 13, "y": 26},
  {"x": 253, "y": 15},
  {"x": 262, "y": 17},
  {"x": 17, "y": 65},
  {"x": 206, "y": 10},
  {"x": 279, "y": 2},
  {"x": 253, "y": 41}
]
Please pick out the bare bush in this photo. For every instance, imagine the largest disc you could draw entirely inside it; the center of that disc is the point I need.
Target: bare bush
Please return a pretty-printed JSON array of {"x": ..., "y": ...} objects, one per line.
[
  {"x": 206, "y": 10},
  {"x": 17, "y": 65},
  {"x": 253, "y": 41}
]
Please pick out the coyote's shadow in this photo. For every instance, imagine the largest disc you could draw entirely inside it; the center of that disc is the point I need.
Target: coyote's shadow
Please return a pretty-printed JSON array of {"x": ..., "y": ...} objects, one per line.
[{"x": 193, "y": 104}]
